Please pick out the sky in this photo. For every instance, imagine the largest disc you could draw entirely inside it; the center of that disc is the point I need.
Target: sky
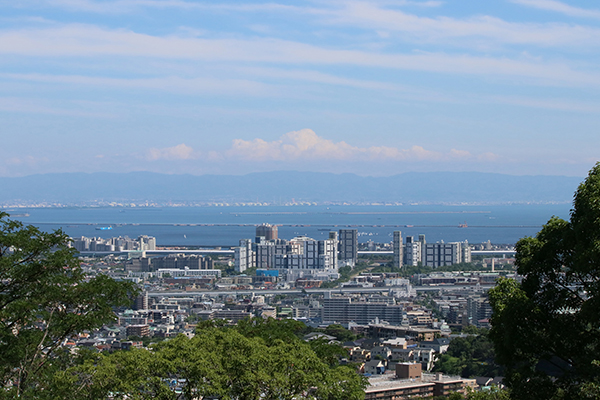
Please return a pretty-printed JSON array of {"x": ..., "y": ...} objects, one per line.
[{"x": 374, "y": 88}]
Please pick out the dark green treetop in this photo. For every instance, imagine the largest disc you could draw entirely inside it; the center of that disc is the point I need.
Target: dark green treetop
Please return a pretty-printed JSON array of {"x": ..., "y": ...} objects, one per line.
[
  {"x": 546, "y": 330},
  {"x": 44, "y": 299}
]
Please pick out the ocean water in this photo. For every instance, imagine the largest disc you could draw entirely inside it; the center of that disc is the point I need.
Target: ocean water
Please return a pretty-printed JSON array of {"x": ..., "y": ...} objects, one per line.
[{"x": 224, "y": 226}]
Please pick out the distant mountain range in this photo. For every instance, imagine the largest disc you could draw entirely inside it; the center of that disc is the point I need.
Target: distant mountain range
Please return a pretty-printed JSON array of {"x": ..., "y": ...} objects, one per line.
[{"x": 279, "y": 187}]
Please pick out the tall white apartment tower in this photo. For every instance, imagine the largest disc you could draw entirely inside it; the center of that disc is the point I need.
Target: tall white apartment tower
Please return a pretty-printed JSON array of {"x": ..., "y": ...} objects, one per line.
[
  {"x": 412, "y": 252},
  {"x": 398, "y": 249},
  {"x": 244, "y": 256}
]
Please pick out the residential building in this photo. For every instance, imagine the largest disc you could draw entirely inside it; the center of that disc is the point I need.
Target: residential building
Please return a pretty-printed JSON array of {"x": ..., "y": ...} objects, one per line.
[
  {"x": 348, "y": 247},
  {"x": 398, "y": 247},
  {"x": 138, "y": 330},
  {"x": 268, "y": 231},
  {"x": 412, "y": 252},
  {"x": 343, "y": 310},
  {"x": 410, "y": 382}
]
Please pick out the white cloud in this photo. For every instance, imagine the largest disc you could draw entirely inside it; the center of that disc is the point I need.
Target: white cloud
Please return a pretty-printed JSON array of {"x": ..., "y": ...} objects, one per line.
[
  {"x": 305, "y": 144},
  {"x": 460, "y": 153},
  {"x": 566, "y": 9},
  {"x": 179, "y": 152},
  {"x": 488, "y": 156}
]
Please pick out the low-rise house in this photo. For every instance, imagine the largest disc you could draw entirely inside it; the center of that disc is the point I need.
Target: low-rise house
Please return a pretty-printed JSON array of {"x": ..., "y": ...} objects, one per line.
[
  {"x": 375, "y": 367},
  {"x": 395, "y": 343},
  {"x": 439, "y": 345},
  {"x": 357, "y": 354},
  {"x": 381, "y": 352}
]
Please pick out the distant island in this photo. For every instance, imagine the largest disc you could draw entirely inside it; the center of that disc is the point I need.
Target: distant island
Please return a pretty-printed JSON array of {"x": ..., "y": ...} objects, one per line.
[{"x": 286, "y": 188}]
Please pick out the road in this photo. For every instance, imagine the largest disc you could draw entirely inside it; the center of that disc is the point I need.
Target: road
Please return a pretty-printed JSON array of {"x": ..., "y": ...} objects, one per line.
[{"x": 214, "y": 293}]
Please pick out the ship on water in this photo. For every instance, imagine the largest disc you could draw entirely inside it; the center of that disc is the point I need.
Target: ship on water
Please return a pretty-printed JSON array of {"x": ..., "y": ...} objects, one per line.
[{"x": 103, "y": 228}]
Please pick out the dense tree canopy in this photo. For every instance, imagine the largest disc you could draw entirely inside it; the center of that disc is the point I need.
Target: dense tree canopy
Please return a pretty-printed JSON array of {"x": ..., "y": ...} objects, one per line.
[
  {"x": 546, "y": 329},
  {"x": 44, "y": 298},
  {"x": 469, "y": 357},
  {"x": 257, "y": 360}
]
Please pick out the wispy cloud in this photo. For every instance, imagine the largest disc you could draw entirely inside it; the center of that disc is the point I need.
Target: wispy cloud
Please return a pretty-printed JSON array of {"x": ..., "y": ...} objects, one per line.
[
  {"x": 167, "y": 83},
  {"x": 443, "y": 29},
  {"x": 37, "y": 106},
  {"x": 126, "y": 6},
  {"x": 560, "y": 7},
  {"x": 26, "y": 160},
  {"x": 91, "y": 41}
]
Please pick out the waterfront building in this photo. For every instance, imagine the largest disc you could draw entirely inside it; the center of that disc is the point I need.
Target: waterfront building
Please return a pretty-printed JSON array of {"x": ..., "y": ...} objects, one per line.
[
  {"x": 268, "y": 231},
  {"x": 142, "y": 243}
]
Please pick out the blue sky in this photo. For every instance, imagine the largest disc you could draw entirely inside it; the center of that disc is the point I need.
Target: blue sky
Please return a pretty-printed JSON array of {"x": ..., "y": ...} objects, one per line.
[{"x": 367, "y": 87}]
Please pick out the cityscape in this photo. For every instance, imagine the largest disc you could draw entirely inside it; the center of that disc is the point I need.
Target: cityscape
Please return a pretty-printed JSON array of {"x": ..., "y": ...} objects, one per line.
[
  {"x": 311, "y": 199},
  {"x": 270, "y": 277}
]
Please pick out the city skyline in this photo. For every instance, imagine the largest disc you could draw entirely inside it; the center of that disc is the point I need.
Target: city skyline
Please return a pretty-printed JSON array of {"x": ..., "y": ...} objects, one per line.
[{"x": 375, "y": 88}]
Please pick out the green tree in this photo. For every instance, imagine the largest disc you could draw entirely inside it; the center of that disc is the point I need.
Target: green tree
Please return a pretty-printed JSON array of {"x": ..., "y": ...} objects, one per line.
[
  {"x": 218, "y": 362},
  {"x": 342, "y": 334},
  {"x": 545, "y": 329},
  {"x": 468, "y": 357},
  {"x": 493, "y": 394},
  {"x": 44, "y": 299}
]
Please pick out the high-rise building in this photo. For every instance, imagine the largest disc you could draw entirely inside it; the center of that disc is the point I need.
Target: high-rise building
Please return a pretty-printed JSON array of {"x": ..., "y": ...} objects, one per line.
[
  {"x": 443, "y": 254},
  {"x": 240, "y": 259},
  {"x": 423, "y": 244},
  {"x": 304, "y": 253},
  {"x": 412, "y": 252},
  {"x": 244, "y": 256},
  {"x": 266, "y": 251},
  {"x": 268, "y": 231},
  {"x": 465, "y": 252},
  {"x": 398, "y": 247},
  {"x": 147, "y": 242},
  {"x": 141, "y": 302},
  {"x": 348, "y": 247},
  {"x": 328, "y": 248}
]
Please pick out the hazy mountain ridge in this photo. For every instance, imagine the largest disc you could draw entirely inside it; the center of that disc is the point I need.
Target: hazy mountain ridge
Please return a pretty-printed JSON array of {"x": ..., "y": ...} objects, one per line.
[{"x": 277, "y": 187}]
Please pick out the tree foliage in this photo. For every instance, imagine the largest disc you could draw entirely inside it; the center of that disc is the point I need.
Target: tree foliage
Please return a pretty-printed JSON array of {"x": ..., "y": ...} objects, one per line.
[
  {"x": 45, "y": 298},
  {"x": 254, "y": 361},
  {"x": 493, "y": 394},
  {"x": 546, "y": 330},
  {"x": 469, "y": 357}
]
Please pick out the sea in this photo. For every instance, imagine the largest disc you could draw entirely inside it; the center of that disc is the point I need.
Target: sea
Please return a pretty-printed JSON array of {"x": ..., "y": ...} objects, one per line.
[{"x": 224, "y": 226}]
